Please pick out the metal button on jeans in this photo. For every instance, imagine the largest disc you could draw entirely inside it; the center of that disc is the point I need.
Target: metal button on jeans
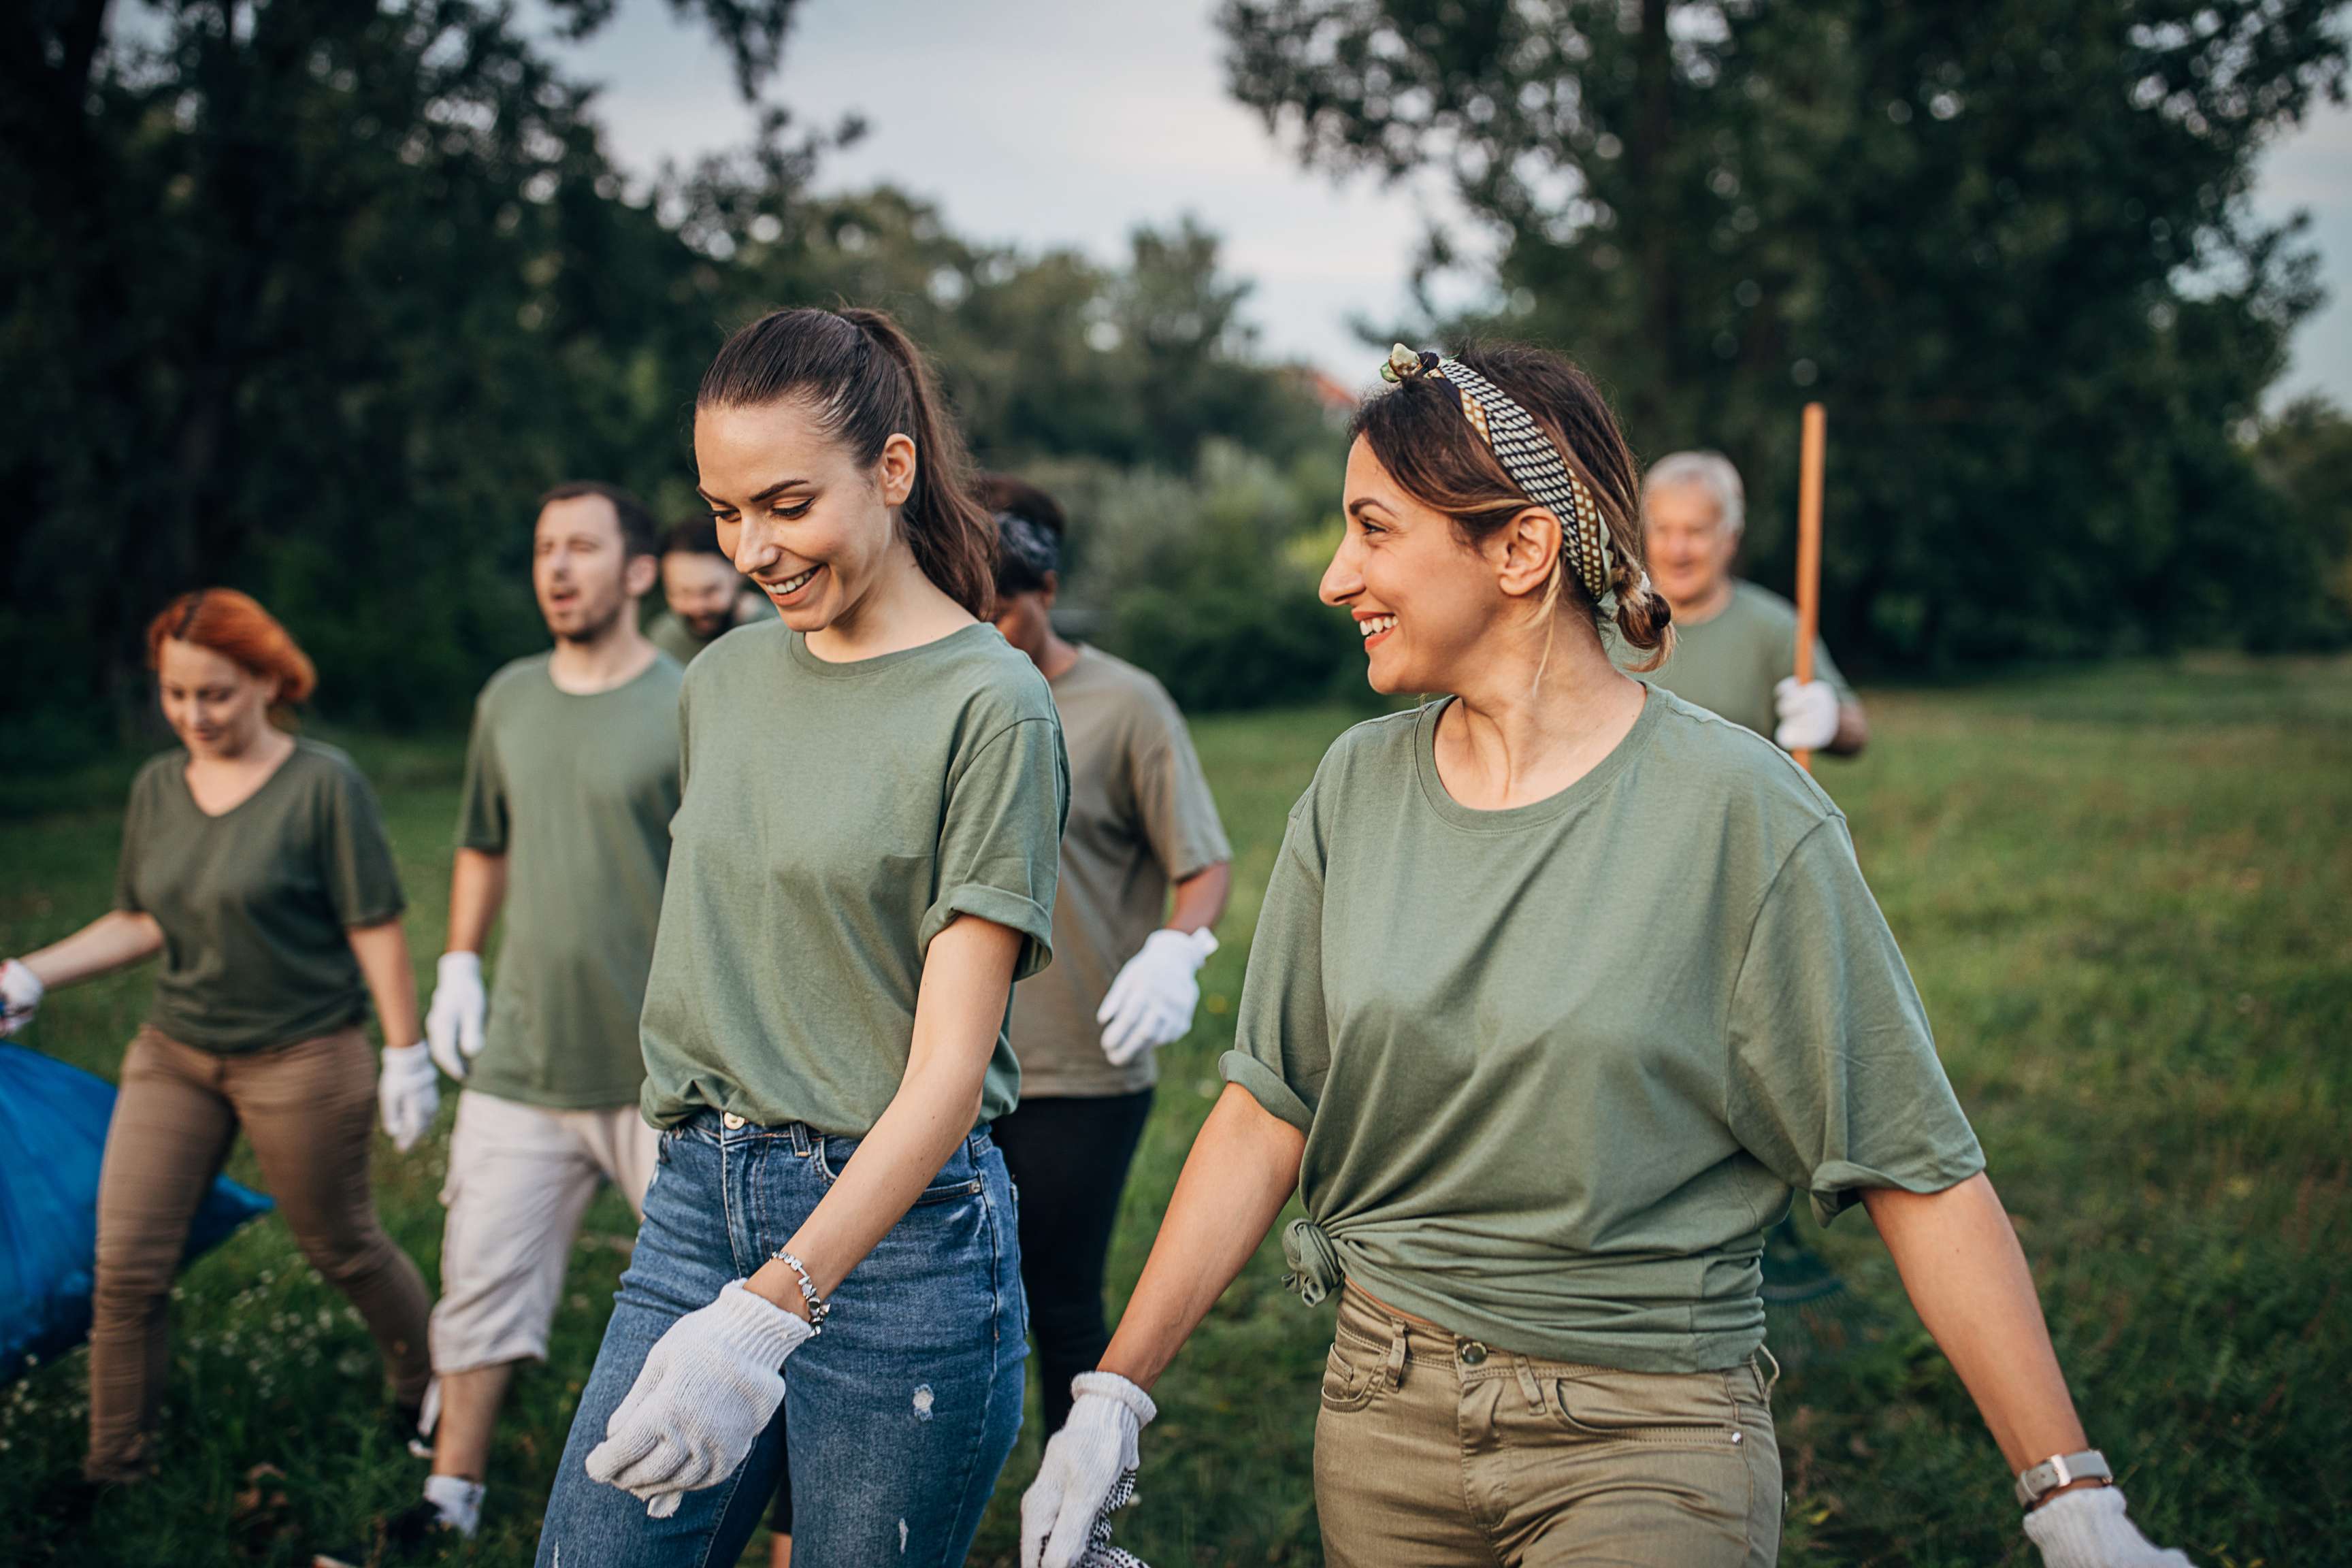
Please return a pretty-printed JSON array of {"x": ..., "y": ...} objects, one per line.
[
  {"x": 730, "y": 1120},
  {"x": 1472, "y": 1353}
]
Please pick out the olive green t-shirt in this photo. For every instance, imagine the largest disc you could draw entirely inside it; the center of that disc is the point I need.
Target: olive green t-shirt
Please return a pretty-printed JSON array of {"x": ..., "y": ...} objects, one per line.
[
  {"x": 1559, "y": 1066},
  {"x": 836, "y": 818},
  {"x": 576, "y": 791},
  {"x": 675, "y": 638},
  {"x": 1729, "y": 662},
  {"x": 256, "y": 903},
  {"x": 1141, "y": 817}
]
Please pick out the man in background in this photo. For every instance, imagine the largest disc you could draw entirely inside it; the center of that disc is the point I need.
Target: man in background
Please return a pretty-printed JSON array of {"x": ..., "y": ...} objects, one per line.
[
  {"x": 705, "y": 596},
  {"x": 572, "y": 778},
  {"x": 1735, "y": 643}
]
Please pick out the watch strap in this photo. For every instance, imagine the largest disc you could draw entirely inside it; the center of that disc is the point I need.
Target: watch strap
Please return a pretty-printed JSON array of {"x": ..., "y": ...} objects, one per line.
[{"x": 2038, "y": 1481}]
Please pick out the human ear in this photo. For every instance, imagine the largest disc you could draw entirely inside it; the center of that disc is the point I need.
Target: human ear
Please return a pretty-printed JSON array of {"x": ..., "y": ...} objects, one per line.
[
  {"x": 894, "y": 470},
  {"x": 638, "y": 577},
  {"x": 1524, "y": 551}
]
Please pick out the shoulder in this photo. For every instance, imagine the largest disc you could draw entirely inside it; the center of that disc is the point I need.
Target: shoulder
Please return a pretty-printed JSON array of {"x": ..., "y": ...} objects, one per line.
[
  {"x": 1371, "y": 755},
  {"x": 1136, "y": 692},
  {"x": 1761, "y": 606},
  {"x": 664, "y": 675},
  {"x": 1722, "y": 773},
  {"x": 156, "y": 774},
  {"x": 998, "y": 684},
  {"x": 735, "y": 651},
  {"x": 328, "y": 771},
  {"x": 513, "y": 680}
]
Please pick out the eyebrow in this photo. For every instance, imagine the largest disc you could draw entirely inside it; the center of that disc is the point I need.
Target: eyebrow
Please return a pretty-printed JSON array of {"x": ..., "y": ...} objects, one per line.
[
  {"x": 777, "y": 488},
  {"x": 1356, "y": 508}
]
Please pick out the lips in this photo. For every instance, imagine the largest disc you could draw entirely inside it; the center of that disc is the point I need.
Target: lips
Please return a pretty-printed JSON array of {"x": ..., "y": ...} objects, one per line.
[
  {"x": 791, "y": 588},
  {"x": 1375, "y": 628}
]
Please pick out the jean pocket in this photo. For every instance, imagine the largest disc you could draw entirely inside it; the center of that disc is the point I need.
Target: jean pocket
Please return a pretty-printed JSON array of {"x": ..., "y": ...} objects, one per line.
[
  {"x": 1355, "y": 1370},
  {"x": 1672, "y": 1409},
  {"x": 957, "y": 1179}
]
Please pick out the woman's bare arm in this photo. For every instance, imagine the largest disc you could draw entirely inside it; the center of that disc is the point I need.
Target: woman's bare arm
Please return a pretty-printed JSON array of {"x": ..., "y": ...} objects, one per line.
[
  {"x": 967, "y": 978},
  {"x": 115, "y": 940},
  {"x": 1243, "y": 1168},
  {"x": 383, "y": 952}
]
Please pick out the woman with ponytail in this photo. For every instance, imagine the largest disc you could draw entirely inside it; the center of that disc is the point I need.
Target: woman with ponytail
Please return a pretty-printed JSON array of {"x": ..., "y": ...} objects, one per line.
[
  {"x": 1561, "y": 988},
  {"x": 862, "y": 865},
  {"x": 255, "y": 865}
]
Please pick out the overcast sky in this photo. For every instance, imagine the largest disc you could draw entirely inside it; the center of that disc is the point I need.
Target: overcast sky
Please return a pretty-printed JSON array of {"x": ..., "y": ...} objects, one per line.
[{"x": 1067, "y": 122}]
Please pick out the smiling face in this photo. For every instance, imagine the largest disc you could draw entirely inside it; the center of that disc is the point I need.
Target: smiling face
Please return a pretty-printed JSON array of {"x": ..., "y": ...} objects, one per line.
[
  {"x": 813, "y": 528},
  {"x": 217, "y": 706},
  {"x": 1689, "y": 547},
  {"x": 700, "y": 590},
  {"x": 1425, "y": 600},
  {"x": 582, "y": 570}
]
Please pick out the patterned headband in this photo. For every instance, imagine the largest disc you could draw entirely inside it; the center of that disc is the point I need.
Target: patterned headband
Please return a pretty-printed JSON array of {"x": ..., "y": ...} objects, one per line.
[
  {"x": 1527, "y": 455},
  {"x": 1031, "y": 543}
]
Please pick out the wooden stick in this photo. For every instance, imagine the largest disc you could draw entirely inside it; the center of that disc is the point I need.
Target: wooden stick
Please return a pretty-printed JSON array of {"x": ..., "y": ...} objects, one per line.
[{"x": 1808, "y": 547}]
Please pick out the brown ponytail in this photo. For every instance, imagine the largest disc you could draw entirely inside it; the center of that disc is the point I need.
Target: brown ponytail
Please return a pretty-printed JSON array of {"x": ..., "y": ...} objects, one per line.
[
  {"x": 1418, "y": 431},
  {"x": 868, "y": 382}
]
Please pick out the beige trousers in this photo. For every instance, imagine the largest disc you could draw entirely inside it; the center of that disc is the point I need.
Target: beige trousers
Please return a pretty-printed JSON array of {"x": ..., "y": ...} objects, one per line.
[
  {"x": 1434, "y": 1451},
  {"x": 309, "y": 1109},
  {"x": 519, "y": 1178}
]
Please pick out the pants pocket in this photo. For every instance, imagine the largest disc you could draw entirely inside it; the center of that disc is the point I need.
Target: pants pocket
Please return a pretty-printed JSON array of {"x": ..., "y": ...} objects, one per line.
[
  {"x": 1354, "y": 1372},
  {"x": 1678, "y": 1409}
]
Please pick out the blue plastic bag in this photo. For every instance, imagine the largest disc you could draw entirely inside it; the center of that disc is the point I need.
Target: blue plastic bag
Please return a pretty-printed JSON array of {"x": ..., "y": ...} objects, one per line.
[{"x": 52, "y": 1133}]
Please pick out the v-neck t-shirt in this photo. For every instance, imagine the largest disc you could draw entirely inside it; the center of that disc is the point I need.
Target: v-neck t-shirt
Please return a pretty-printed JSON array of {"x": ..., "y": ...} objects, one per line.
[
  {"x": 576, "y": 791},
  {"x": 1561, "y": 1066},
  {"x": 255, "y": 904},
  {"x": 836, "y": 819}
]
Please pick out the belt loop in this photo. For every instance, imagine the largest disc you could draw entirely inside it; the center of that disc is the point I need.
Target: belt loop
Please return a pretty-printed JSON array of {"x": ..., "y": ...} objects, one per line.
[
  {"x": 1396, "y": 1353},
  {"x": 1528, "y": 1384},
  {"x": 801, "y": 1138}
]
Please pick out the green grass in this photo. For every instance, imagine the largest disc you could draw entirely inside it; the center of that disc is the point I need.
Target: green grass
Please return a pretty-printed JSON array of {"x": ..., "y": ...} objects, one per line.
[{"x": 2123, "y": 892}]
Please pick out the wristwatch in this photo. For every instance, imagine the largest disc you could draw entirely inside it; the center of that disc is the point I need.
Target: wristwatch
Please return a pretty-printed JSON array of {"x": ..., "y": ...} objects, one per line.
[{"x": 2061, "y": 1470}]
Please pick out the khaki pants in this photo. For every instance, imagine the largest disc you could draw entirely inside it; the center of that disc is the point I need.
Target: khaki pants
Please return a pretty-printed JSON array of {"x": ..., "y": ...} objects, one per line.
[
  {"x": 519, "y": 1178},
  {"x": 1434, "y": 1451},
  {"x": 308, "y": 1110}
]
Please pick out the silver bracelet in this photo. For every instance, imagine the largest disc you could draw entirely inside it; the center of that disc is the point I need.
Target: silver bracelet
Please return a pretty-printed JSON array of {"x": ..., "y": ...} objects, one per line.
[{"x": 818, "y": 1307}]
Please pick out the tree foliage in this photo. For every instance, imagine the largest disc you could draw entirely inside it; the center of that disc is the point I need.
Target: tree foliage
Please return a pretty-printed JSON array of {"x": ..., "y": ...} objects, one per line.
[
  {"x": 313, "y": 298},
  {"x": 2010, "y": 246}
]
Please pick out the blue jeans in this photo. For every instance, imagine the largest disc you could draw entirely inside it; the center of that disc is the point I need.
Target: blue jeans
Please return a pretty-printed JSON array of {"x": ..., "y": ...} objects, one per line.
[{"x": 896, "y": 1420}]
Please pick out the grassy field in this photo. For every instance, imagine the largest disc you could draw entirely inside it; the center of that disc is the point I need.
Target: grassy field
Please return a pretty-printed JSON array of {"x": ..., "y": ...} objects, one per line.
[{"x": 2123, "y": 892}]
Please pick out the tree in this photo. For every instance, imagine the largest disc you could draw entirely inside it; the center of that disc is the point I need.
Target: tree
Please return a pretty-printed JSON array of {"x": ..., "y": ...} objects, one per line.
[{"x": 2011, "y": 248}]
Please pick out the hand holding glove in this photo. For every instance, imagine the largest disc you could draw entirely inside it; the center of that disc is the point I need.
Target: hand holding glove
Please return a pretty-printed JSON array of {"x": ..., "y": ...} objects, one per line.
[
  {"x": 1151, "y": 1004},
  {"x": 1082, "y": 1469},
  {"x": 406, "y": 1093},
  {"x": 2086, "y": 1529},
  {"x": 1808, "y": 714},
  {"x": 708, "y": 1388},
  {"x": 20, "y": 995},
  {"x": 452, "y": 1024}
]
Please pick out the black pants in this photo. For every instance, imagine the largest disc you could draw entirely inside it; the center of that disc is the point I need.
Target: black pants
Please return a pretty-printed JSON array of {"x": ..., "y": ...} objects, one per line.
[{"x": 1069, "y": 1159}]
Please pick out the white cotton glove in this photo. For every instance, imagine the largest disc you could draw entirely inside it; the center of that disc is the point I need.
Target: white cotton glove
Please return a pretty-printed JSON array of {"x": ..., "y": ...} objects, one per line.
[
  {"x": 452, "y": 1024},
  {"x": 20, "y": 996},
  {"x": 708, "y": 1388},
  {"x": 1808, "y": 714},
  {"x": 1151, "y": 1004},
  {"x": 1082, "y": 1464},
  {"x": 2086, "y": 1529},
  {"x": 406, "y": 1093}
]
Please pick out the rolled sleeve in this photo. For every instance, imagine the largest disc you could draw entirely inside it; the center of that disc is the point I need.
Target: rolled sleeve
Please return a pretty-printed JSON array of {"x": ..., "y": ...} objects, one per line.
[
  {"x": 1282, "y": 1037},
  {"x": 362, "y": 880},
  {"x": 999, "y": 846}
]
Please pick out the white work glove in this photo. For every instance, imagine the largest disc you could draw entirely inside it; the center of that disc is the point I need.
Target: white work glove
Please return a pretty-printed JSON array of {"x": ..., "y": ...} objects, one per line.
[
  {"x": 452, "y": 1024},
  {"x": 20, "y": 996},
  {"x": 406, "y": 1093},
  {"x": 1082, "y": 1467},
  {"x": 1808, "y": 714},
  {"x": 2086, "y": 1529},
  {"x": 708, "y": 1388},
  {"x": 1151, "y": 1004}
]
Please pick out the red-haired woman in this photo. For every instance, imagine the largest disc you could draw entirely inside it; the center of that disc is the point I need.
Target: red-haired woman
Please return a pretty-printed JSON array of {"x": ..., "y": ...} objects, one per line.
[{"x": 256, "y": 865}]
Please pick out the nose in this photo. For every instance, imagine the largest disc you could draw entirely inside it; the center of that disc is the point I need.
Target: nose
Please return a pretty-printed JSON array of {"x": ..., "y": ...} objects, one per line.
[
  {"x": 1341, "y": 580},
  {"x": 754, "y": 550}
]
